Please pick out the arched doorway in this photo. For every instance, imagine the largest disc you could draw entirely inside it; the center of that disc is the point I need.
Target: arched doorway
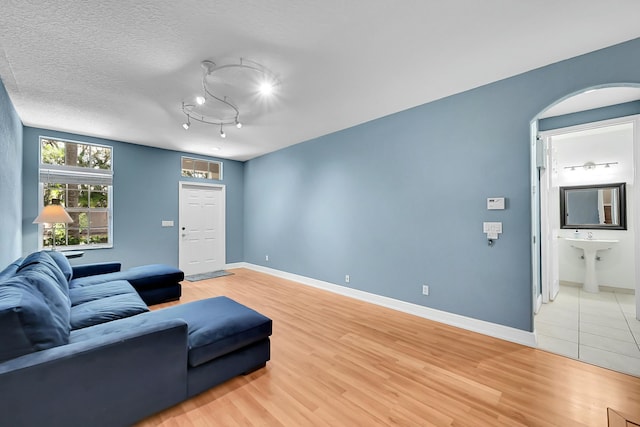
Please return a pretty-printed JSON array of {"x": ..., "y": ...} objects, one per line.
[{"x": 592, "y": 108}]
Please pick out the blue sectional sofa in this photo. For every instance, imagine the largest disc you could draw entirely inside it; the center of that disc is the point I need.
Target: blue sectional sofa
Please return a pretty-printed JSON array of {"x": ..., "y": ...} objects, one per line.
[
  {"x": 81, "y": 349},
  {"x": 154, "y": 283}
]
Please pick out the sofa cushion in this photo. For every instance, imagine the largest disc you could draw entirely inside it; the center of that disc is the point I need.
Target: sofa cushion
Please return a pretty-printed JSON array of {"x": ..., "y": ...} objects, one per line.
[
  {"x": 40, "y": 272},
  {"x": 143, "y": 277},
  {"x": 63, "y": 264},
  {"x": 29, "y": 319},
  {"x": 85, "y": 294},
  {"x": 42, "y": 262},
  {"x": 217, "y": 326},
  {"x": 106, "y": 309},
  {"x": 11, "y": 269}
]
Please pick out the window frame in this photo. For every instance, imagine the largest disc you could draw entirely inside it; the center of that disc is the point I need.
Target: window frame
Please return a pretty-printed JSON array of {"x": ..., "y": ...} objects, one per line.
[
  {"x": 209, "y": 162},
  {"x": 77, "y": 171}
]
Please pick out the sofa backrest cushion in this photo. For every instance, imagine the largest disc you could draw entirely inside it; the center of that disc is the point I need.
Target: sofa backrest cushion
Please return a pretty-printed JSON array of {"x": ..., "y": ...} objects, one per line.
[
  {"x": 63, "y": 264},
  {"x": 42, "y": 262},
  {"x": 27, "y": 321},
  {"x": 11, "y": 269}
]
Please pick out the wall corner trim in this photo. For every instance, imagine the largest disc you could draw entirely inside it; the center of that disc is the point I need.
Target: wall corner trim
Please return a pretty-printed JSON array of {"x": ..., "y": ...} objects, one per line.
[{"x": 480, "y": 326}]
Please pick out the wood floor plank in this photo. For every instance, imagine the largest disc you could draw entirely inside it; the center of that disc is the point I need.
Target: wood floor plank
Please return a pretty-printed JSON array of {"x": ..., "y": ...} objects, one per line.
[{"x": 336, "y": 361}]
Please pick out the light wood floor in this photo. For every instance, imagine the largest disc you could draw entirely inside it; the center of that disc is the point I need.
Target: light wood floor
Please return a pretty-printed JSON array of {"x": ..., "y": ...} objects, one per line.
[{"x": 336, "y": 361}]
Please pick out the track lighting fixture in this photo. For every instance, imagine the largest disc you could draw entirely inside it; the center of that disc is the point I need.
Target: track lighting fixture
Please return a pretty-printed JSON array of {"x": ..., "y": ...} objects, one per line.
[{"x": 228, "y": 89}]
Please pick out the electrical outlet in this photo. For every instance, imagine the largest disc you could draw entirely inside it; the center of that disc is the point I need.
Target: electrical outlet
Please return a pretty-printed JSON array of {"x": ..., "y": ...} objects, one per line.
[
  {"x": 347, "y": 278},
  {"x": 266, "y": 257},
  {"x": 425, "y": 289}
]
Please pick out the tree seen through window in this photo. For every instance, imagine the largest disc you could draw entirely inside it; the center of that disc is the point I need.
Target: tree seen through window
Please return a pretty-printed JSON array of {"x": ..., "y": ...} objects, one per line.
[{"x": 75, "y": 174}]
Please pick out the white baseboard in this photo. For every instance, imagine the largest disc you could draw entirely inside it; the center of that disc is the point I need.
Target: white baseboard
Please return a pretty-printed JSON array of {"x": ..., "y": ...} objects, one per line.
[
  {"x": 237, "y": 265},
  {"x": 480, "y": 326}
]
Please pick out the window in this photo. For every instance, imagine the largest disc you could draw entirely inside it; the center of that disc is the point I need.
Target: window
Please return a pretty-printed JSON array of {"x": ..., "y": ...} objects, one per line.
[
  {"x": 196, "y": 168},
  {"x": 81, "y": 176}
]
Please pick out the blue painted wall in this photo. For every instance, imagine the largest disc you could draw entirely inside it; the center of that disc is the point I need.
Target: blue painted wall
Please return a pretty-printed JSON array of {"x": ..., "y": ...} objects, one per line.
[
  {"x": 590, "y": 116},
  {"x": 400, "y": 201},
  {"x": 10, "y": 180},
  {"x": 145, "y": 193}
]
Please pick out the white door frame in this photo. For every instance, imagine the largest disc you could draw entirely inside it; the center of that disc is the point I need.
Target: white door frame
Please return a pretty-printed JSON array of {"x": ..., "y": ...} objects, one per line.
[
  {"x": 636, "y": 204},
  {"x": 549, "y": 247},
  {"x": 223, "y": 218}
]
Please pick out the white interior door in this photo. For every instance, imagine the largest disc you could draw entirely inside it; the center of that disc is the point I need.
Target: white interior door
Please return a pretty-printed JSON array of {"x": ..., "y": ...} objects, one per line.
[
  {"x": 202, "y": 228},
  {"x": 549, "y": 225}
]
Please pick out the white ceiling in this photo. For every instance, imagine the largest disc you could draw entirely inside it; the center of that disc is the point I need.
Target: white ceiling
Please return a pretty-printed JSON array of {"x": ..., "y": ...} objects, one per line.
[{"x": 120, "y": 70}]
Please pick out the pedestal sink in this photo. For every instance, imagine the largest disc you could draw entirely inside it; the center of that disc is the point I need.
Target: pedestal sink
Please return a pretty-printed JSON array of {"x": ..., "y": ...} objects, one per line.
[{"x": 590, "y": 248}]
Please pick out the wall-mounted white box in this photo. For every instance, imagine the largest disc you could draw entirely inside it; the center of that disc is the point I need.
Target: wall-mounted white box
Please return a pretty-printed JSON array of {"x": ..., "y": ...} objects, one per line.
[
  {"x": 167, "y": 223},
  {"x": 495, "y": 203}
]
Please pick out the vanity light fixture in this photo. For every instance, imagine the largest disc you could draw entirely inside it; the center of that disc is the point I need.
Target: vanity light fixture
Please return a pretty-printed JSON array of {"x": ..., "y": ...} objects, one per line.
[
  {"x": 229, "y": 89},
  {"x": 591, "y": 165}
]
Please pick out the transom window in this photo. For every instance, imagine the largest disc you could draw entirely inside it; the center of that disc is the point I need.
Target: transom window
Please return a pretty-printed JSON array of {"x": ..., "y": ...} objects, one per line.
[
  {"x": 80, "y": 175},
  {"x": 197, "y": 168}
]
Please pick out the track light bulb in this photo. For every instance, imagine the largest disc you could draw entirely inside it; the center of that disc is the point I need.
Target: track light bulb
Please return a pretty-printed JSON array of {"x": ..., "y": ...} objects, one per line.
[
  {"x": 266, "y": 88},
  {"x": 222, "y": 134},
  {"x": 186, "y": 125},
  {"x": 238, "y": 125},
  {"x": 200, "y": 100}
]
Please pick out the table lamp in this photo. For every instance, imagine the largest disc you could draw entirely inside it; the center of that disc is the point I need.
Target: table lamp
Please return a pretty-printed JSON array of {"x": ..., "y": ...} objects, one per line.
[{"x": 53, "y": 214}]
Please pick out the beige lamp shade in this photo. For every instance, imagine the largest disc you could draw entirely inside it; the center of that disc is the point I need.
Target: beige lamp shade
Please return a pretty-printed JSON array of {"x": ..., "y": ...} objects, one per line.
[{"x": 53, "y": 214}]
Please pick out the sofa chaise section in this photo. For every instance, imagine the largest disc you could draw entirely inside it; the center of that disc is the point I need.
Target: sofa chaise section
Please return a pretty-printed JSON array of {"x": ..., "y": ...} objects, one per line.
[
  {"x": 84, "y": 350},
  {"x": 224, "y": 338}
]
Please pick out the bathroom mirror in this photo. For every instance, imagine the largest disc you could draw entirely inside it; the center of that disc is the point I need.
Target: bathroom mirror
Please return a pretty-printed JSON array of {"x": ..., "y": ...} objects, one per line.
[{"x": 593, "y": 207}]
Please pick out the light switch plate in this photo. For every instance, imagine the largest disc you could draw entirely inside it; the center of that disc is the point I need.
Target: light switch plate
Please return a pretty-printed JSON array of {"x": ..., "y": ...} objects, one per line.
[{"x": 492, "y": 227}]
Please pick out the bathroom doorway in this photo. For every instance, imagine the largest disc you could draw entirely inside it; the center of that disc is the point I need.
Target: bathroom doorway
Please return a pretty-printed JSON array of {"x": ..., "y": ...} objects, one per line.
[{"x": 599, "y": 328}]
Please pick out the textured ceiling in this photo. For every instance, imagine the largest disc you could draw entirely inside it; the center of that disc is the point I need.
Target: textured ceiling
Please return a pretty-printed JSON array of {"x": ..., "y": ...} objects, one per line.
[{"x": 120, "y": 70}]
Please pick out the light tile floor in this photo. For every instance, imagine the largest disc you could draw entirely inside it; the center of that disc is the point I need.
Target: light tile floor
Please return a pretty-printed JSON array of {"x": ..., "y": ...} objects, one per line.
[{"x": 600, "y": 329}]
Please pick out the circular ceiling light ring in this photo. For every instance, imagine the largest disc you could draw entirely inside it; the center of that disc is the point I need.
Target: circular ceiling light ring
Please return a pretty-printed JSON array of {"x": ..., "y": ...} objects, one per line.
[{"x": 228, "y": 90}]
